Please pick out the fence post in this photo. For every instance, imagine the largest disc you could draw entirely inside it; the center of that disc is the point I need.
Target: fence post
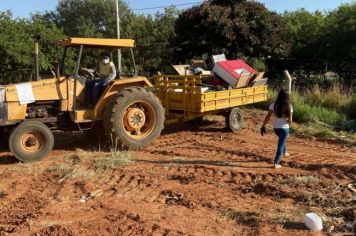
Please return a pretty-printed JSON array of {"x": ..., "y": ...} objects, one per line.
[{"x": 289, "y": 79}]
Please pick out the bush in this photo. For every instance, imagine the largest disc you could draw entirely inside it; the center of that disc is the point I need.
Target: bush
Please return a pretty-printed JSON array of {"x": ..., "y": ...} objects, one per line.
[
  {"x": 350, "y": 108},
  {"x": 315, "y": 106},
  {"x": 305, "y": 112},
  {"x": 334, "y": 98}
]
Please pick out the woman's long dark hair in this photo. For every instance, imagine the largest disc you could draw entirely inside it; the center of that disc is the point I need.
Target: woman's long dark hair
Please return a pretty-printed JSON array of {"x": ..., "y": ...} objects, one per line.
[{"x": 282, "y": 107}]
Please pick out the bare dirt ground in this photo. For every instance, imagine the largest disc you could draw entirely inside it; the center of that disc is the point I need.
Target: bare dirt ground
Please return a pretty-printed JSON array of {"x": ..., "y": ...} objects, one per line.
[{"x": 192, "y": 181}]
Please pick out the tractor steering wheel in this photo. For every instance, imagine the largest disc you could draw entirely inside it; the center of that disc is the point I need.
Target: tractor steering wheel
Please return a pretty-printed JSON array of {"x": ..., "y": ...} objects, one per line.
[{"x": 88, "y": 73}]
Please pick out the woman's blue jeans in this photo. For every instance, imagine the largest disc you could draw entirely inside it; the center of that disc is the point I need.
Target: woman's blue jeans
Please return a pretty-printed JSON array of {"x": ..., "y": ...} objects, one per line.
[{"x": 282, "y": 140}]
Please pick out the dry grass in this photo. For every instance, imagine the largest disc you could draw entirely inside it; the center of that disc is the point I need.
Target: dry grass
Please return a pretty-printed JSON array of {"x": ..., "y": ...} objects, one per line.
[
  {"x": 288, "y": 214},
  {"x": 88, "y": 164},
  {"x": 113, "y": 160},
  {"x": 333, "y": 98},
  {"x": 297, "y": 180},
  {"x": 25, "y": 168},
  {"x": 61, "y": 168},
  {"x": 325, "y": 132},
  {"x": 72, "y": 171},
  {"x": 242, "y": 217}
]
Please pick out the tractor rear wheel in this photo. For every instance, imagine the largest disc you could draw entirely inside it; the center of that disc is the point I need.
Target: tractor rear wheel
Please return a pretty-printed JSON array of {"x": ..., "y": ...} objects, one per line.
[
  {"x": 31, "y": 141},
  {"x": 134, "y": 118},
  {"x": 234, "y": 119}
]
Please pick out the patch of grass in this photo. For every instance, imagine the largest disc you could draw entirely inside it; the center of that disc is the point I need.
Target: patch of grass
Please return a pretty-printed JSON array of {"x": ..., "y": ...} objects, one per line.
[
  {"x": 88, "y": 164},
  {"x": 25, "y": 168},
  {"x": 74, "y": 172},
  {"x": 350, "y": 108},
  {"x": 82, "y": 172},
  {"x": 113, "y": 161},
  {"x": 349, "y": 125},
  {"x": 61, "y": 168},
  {"x": 318, "y": 199},
  {"x": 296, "y": 180},
  {"x": 305, "y": 112},
  {"x": 287, "y": 215},
  {"x": 321, "y": 131},
  {"x": 244, "y": 217},
  {"x": 334, "y": 98},
  {"x": 73, "y": 166}
]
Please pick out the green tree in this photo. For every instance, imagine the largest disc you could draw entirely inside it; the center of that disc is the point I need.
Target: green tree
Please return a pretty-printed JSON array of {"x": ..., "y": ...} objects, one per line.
[
  {"x": 339, "y": 38},
  {"x": 324, "y": 41},
  {"x": 16, "y": 46},
  {"x": 97, "y": 18},
  {"x": 305, "y": 30},
  {"x": 153, "y": 34},
  {"x": 233, "y": 27},
  {"x": 92, "y": 18}
]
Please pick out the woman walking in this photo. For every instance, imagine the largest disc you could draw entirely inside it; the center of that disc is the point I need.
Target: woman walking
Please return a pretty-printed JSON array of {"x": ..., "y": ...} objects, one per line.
[{"x": 283, "y": 111}]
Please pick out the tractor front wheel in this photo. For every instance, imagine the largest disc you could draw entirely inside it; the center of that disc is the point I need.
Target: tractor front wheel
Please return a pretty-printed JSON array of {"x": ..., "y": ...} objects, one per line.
[
  {"x": 134, "y": 118},
  {"x": 31, "y": 141}
]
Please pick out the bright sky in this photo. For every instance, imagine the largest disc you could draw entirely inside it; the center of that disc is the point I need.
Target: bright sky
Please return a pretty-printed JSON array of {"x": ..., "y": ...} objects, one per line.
[{"x": 23, "y": 8}]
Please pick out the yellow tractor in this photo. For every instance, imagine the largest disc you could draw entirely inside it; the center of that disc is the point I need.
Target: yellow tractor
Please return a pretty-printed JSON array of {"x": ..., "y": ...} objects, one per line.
[{"x": 127, "y": 110}]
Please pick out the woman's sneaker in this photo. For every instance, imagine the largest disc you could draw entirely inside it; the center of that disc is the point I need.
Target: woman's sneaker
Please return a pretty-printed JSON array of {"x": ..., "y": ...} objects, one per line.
[{"x": 277, "y": 166}]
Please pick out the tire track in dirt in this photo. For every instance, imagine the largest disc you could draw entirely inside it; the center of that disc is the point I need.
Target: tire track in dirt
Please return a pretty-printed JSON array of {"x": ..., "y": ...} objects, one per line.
[
  {"x": 17, "y": 212},
  {"x": 247, "y": 146}
]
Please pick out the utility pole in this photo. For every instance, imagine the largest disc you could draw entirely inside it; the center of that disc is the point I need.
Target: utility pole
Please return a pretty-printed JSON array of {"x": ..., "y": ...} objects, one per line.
[{"x": 118, "y": 36}]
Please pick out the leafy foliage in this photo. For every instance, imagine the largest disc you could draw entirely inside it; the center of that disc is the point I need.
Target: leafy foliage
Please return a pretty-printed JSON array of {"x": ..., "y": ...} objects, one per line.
[
  {"x": 339, "y": 36},
  {"x": 305, "y": 30},
  {"x": 233, "y": 27},
  {"x": 91, "y": 18},
  {"x": 97, "y": 18},
  {"x": 16, "y": 48},
  {"x": 311, "y": 41},
  {"x": 153, "y": 34},
  {"x": 323, "y": 41}
]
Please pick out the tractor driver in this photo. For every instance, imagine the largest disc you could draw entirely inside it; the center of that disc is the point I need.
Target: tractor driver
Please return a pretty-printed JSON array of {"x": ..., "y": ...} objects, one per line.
[{"x": 107, "y": 73}]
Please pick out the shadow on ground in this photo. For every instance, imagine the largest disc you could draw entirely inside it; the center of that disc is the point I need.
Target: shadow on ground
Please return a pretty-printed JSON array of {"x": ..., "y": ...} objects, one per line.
[{"x": 8, "y": 160}]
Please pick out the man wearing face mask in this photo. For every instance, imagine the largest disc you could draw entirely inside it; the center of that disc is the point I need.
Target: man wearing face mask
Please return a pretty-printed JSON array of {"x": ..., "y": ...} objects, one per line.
[{"x": 107, "y": 73}]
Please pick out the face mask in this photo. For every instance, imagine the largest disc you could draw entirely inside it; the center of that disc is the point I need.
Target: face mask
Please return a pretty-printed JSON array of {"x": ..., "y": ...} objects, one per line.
[{"x": 106, "y": 61}]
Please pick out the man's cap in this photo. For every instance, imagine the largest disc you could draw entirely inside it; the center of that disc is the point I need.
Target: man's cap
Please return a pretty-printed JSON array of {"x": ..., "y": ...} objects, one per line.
[{"x": 105, "y": 54}]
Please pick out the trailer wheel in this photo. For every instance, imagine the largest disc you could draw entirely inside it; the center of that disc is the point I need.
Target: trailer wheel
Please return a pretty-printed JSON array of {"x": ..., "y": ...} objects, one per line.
[
  {"x": 134, "y": 118},
  {"x": 31, "y": 141},
  {"x": 234, "y": 119}
]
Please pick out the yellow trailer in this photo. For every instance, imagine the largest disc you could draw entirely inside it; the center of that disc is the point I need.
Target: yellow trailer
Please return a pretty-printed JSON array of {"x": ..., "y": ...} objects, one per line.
[{"x": 185, "y": 98}]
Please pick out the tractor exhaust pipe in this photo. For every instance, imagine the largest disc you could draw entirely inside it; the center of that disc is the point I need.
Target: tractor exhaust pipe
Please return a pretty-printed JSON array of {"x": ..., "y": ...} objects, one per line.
[{"x": 36, "y": 39}]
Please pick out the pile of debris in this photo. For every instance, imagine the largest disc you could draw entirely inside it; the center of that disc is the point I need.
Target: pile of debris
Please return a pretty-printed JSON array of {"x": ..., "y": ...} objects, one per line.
[{"x": 218, "y": 73}]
